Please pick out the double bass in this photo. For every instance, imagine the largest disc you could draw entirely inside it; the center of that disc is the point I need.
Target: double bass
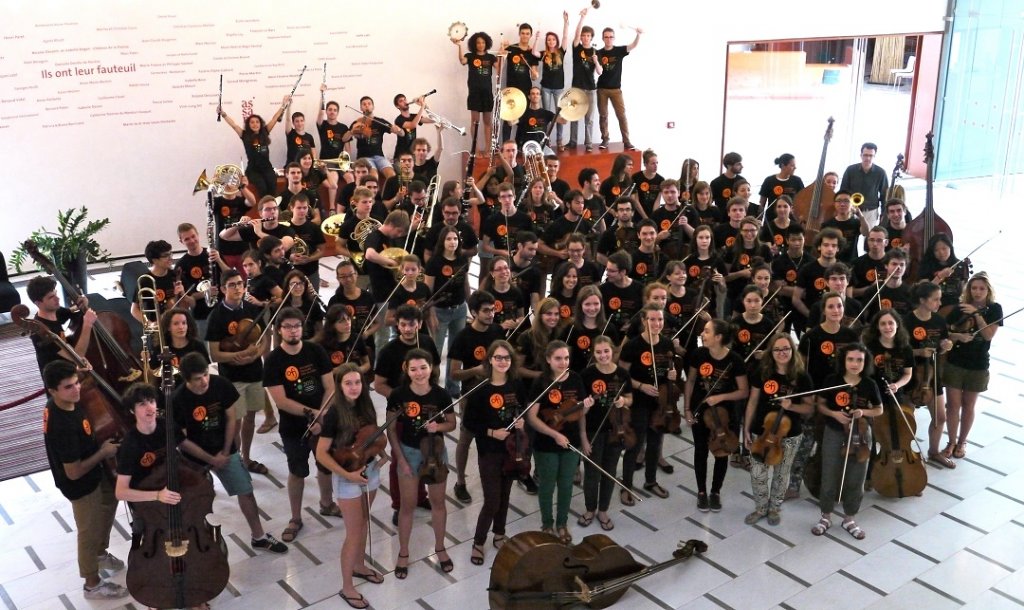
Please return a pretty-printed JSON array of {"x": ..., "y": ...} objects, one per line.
[
  {"x": 921, "y": 229},
  {"x": 177, "y": 558},
  {"x": 816, "y": 203},
  {"x": 536, "y": 571}
]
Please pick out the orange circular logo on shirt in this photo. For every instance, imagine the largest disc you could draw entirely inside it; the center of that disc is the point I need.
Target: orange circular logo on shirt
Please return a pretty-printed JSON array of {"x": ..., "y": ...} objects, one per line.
[
  {"x": 586, "y": 214},
  {"x": 675, "y": 309},
  {"x": 199, "y": 413},
  {"x": 604, "y": 61},
  {"x": 820, "y": 283},
  {"x": 886, "y": 303},
  {"x": 744, "y": 259},
  {"x": 477, "y": 63},
  {"x": 778, "y": 240},
  {"x": 225, "y": 211},
  {"x": 496, "y": 401},
  {"x": 693, "y": 271},
  {"x": 729, "y": 241},
  {"x": 337, "y": 358},
  {"x": 641, "y": 268},
  {"x": 480, "y": 352},
  {"x": 665, "y": 225},
  {"x": 726, "y": 193},
  {"x": 87, "y": 427},
  {"x": 196, "y": 273},
  {"x": 777, "y": 191},
  {"x": 555, "y": 397},
  {"x": 920, "y": 333},
  {"x": 614, "y": 303},
  {"x": 583, "y": 342},
  {"x": 616, "y": 190},
  {"x": 516, "y": 59},
  {"x": 646, "y": 359},
  {"x": 896, "y": 242},
  {"x": 599, "y": 386},
  {"x": 410, "y": 302},
  {"x": 447, "y": 271},
  {"x": 351, "y": 311},
  {"x": 161, "y": 296},
  {"x": 412, "y": 410},
  {"x": 148, "y": 459},
  {"x": 770, "y": 387},
  {"x": 499, "y": 306},
  {"x": 291, "y": 373},
  {"x": 743, "y": 335},
  {"x": 46, "y": 419},
  {"x": 871, "y": 275},
  {"x": 706, "y": 369},
  {"x": 791, "y": 275},
  {"x": 232, "y": 328},
  {"x": 843, "y": 399},
  {"x": 828, "y": 348},
  {"x": 502, "y": 230},
  {"x": 565, "y": 312},
  {"x": 645, "y": 187},
  {"x": 879, "y": 360}
]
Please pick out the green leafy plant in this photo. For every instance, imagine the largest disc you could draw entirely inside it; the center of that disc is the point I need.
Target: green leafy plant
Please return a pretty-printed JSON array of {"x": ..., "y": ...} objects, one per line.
[{"x": 75, "y": 235}]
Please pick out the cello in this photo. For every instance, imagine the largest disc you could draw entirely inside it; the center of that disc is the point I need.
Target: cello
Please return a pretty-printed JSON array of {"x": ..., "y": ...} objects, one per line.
[
  {"x": 536, "y": 571},
  {"x": 111, "y": 335},
  {"x": 898, "y": 470},
  {"x": 921, "y": 229},
  {"x": 816, "y": 203},
  {"x": 177, "y": 558}
]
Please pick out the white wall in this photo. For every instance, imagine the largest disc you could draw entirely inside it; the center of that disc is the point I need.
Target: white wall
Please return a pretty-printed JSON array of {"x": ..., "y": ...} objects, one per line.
[{"x": 130, "y": 145}]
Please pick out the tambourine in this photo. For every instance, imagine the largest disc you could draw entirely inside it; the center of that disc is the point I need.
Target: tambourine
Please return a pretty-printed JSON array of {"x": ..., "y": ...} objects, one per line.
[{"x": 458, "y": 31}]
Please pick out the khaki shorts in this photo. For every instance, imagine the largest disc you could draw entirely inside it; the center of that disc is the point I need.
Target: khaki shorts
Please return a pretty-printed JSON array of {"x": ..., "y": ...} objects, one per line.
[
  {"x": 966, "y": 380},
  {"x": 252, "y": 397}
]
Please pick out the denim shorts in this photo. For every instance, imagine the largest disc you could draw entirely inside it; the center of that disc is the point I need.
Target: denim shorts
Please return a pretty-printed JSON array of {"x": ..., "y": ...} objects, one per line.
[
  {"x": 234, "y": 477},
  {"x": 414, "y": 456},
  {"x": 347, "y": 490}
]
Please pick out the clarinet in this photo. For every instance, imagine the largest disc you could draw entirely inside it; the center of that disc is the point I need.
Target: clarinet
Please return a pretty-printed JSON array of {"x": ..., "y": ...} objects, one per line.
[
  {"x": 211, "y": 236},
  {"x": 289, "y": 105},
  {"x": 220, "y": 97},
  {"x": 470, "y": 166}
]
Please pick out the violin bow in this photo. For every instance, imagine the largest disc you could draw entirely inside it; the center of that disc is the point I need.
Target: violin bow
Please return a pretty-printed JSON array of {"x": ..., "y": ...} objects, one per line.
[
  {"x": 369, "y": 319},
  {"x": 440, "y": 290},
  {"x": 605, "y": 473},
  {"x": 878, "y": 291},
  {"x": 607, "y": 321},
  {"x": 654, "y": 362},
  {"x": 996, "y": 321},
  {"x": 768, "y": 336},
  {"x": 968, "y": 255},
  {"x": 319, "y": 412},
  {"x": 769, "y": 299},
  {"x": 903, "y": 415},
  {"x": 702, "y": 307},
  {"x": 455, "y": 402},
  {"x": 270, "y": 323},
  {"x": 846, "y": 458},
  {"x": 810, "y": 392}
]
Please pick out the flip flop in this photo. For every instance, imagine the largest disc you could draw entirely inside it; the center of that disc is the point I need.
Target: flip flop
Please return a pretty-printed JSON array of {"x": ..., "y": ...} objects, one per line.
[
  {"x": 606, "y": 524},
  {"x": 626, "y": 499},
  {"x": 267, "y": 426},
  {"x": 585, "y": 520},
  {"x": 352, "y": 601},
  {"x": 371, "y": 577},
  {"x": 256, "y": 467}
]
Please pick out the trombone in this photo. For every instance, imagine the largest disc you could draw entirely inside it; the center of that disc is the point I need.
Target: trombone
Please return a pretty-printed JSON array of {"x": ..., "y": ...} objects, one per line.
[
  {"x": 343, "y": 163},
  {"x": 150, "y": 318}
]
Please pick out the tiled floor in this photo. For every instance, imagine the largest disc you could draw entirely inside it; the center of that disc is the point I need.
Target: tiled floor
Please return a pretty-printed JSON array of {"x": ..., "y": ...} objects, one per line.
[{"x": 962, "y": 543}]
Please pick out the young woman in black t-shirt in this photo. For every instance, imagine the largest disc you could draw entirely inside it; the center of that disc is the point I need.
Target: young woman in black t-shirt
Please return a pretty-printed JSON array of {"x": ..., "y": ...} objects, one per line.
[
  {"x": 705, "y": 269},
  {"x": 341, "y": 344},
  {"x": 929, "y": 337},
  {"x": 419, "y": 400},
  {"x": 445, "y": 276},
  {"x": 564, "y": 287},
  {"x": 256, "y": 142},
  {"x": 588, "y": 322},
  {"x": 300, "y": 295},
  {"x": 180, "y": 336},
  {"x": 354, "y": 490},
  {"x": 489, "y": 410},
  {"x": 780, "y": 371},
  {"x": 532, "y": 343},
  {"x": 480, "y": 64}
]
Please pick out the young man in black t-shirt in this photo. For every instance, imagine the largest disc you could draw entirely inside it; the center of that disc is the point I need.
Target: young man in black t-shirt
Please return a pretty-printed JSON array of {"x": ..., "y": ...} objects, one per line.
[
  {"x": 533, "y": 125},
  {"x": 521, "y": 68},
  {"x": 297, "y": 375},
  {"x": 76, "y": 461},
  {"x": 42, "y": 292},
  {"x": 609, "y": 85},
  {"x": 584, "y": 65},
  {"x": 723, "y": 188},
  {"x": 311, "y": 236},
  {"x": 851, "y": 223},
  {"x": 298, "y": 138},
  {"x": 195, "y": 267}
]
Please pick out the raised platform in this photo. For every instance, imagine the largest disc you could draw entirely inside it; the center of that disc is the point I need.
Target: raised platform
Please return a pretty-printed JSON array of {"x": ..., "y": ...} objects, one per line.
[{"x": 573, "y": 161}]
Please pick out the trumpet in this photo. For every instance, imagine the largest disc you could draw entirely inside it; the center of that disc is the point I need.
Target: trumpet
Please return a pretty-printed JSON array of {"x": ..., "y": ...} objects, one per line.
[
  {"x": 343, "y": 163},
  {"x": 857, "y": 199},
  {"x": 443, "y": 122}
]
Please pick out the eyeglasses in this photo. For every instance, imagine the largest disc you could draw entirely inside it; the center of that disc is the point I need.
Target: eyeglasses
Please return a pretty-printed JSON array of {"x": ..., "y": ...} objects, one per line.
[
  {"x": 505, "y": 358},
  {"x": 291, "y": 327},
  {"x": 234, "y": 284},
  {"x": 782, "y": 350}
]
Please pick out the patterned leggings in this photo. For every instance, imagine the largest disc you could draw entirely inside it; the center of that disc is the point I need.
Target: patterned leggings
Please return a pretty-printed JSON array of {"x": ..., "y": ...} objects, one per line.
[{"x": 769, "y": 499}]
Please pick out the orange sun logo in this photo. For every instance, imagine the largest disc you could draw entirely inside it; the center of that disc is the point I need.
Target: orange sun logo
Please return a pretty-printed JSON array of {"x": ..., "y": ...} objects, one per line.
[
  {"x": 706, "y": 369},
  {"x": 199, "y": 413},
  {"x": 291, "y": 373}
]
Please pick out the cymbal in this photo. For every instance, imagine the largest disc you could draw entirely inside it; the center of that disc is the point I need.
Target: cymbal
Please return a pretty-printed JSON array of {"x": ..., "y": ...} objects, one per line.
[
  {"x": 573, "y": 104},
  {"x": 513, "y": 104},
  {"x": 332, "y": 224}
]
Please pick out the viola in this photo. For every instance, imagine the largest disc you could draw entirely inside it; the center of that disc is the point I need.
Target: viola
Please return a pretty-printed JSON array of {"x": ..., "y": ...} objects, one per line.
[
  {"x": 666, "y": 418},
  {"x": 768, "y": 445},
  {"x": 432, "y": 470},
  {"x": 859, "y": 446},
  {"x": 921, "y": 229},
  {"x": 248, "y": 333},
  {"x": 816, "y": 203},
  {"x": 517, "y": 462},
  {"x": 621, "y": 427},
  {"x": 535, "y": 571},
  {"x": 179, "y": 560},
  {"x": 923, "y": 392},
  {"x": 723, "y": 440},
  {"x": 897, "y": 471}
]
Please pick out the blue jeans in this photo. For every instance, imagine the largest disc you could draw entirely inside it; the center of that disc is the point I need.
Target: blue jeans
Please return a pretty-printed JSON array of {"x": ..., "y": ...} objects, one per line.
[
  {"x": 549, "y": 98},
  {"x": 588, "y": 121},
  {"x": 450, "y": 322}
]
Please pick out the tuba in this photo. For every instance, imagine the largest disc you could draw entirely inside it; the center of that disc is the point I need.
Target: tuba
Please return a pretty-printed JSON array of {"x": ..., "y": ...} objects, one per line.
[
  {"x": 533, "y": 163},
  {"x": 227, "y": 179}
]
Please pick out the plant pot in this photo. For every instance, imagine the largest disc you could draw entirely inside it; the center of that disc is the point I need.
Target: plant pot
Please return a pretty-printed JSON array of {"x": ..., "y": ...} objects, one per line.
[{"x": 77, "y": 273}]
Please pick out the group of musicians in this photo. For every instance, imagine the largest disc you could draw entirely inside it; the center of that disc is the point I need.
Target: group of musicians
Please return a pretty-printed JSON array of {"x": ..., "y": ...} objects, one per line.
[{"x": 604, "y": 317}]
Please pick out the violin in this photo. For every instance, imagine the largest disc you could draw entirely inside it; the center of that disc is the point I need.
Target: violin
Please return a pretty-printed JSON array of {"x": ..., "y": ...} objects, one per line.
[
  {"x": 567, "y": 411},
  {"x": 178, "y": 560},
  {"x": 535, "y": 571},
  {"x": 517, "y": 462},
  {"x": 369, "y": 442},
  {"x": 666, "y": 418},
  {"x": 723, "y": 440},
  {"x": 768, "y": 445},
  {"x": 432, "y": 470},
  {"x": 897, "y": 471},
  {"x": 921, "y": 229},
  {"x": 248, "y": 332},
  {"x": 859, "y": 446},
  {"x": 815, "y": 204}
]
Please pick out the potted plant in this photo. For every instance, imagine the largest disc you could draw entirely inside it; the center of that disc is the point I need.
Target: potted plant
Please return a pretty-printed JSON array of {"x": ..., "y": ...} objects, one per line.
[{"x": 71, "y": 248}]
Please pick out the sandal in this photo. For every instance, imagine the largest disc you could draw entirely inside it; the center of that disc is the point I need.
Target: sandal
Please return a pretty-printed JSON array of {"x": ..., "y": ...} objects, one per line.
[
  {"x": 293, "y": 529},
  {"x": 500, "y": 540},
  {"x": 548, "y": 530},
  {"x": 371, "y": 577},
  {"x": 606, "y": 524},
  {"x": 447, "y": 565},
  {"x": 821, "y": 526},
  {"x": 330, "y": 510},
  {"x": 476, "y": 556},
  {"x": 941, "y": 460},
  {"x": 352, "y": 601},
  {"x": 267, "y": 426},
  {"x": 626, "y": 498},
  {"x": 257, "y": 468},
  {"x": 948, "y": 451},
  {"x": 656, "y": 489},
  {"x": 851, "y": 526},
  {"x": 961, "y": 451},
  {"x": 564, "y": 535},
  {"x": 585, "y": 519},
  {"x": 401, "y": 572}
]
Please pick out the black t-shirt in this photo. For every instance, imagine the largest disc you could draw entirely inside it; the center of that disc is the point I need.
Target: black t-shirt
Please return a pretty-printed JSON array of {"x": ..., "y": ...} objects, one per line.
[
  {"x": 725, "y": 236},
  {"x": 773, "y": 385},
  {"x": 403, "y": 296},
  {"x": 973, "y": 355},
  {"x": 604, "y": 387},
  {"x": 552, "y": 74},
  {"x": 330, "y": 139},
  {"x": 713, "y": 376},
  {"x": 866, "y": 270},
  {"x": 403, "y": 143},
  {"x": 642, "y": 367},
  {"x": 381, "y": 278},
  {"x": 223, "y": 322},
  {"x": 68, "y": 438},
  {"x": 295, "y": 140},
  {"x": 925, "y": 333},
  {"x": 314, "y": 238},
  {"x": 301, "y": 377},
  {"x": 139, "y": 454},
  {"x": 491, "y": 407},
  {"x": 710, "y": 216},
  {"x": 480, "y": 70},
  {"x": 850, "y": 228},
  {"x": 748, "y": 336},
  {"x": 424, "y": 173},
  {"x": 581, "y": 343},
  {"x": 449, "y": 280},
  {"x": 467, "y": 237},
  {"x": 647, "y": 189},
  {"x": 227, "y": 212},
  {"x": 618, "y": 237},
  {"x": 195, "y": 269},
  {"x": 611, "y": 64},
  {"x": 773, "y": 188},
  {"x": 518, "y": 62},
  {"x": 621, "y": 304},
  {"x": 508, "y": 305},
  {"x": 502, "y": 232},
  {"x": 527, "y": 279},
  {"x": 811, "y": 278},
  {"x": 820, "y": 350},
  {"x": 898, "y": 299},
  {"x": 391, "y": 356},
  {"x": 774, "y": 234},
  {"x": 416, "y": 410},
  {"x": 533, "y": 125},
  {"x": 723, "y": 188},
  {"x": 583, "y": 67},
  {"x": 647, "y": 267},
  {"x": 353, "y": 349},
  {"x": 49, "y": 351},
  {"x": 864, "y": 395},
  {"x": 257, "y": 152},
  {"x": 359, "y": 308},
  {"x": 373, "y": 145},
  {"x": 470, "y": 345},
  {"x": 204, "y": 418},
  {"x": 330, "y": 427},
  {"x": 666, "y": 220},
  {"x": 889, "y": 364},
  {"x": 563, "y": 395}
]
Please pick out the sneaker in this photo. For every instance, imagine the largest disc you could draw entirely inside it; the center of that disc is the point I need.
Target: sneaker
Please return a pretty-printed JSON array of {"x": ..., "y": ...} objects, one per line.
[
  {"x": 110, "y": 563},
  {"x": 629, "y": 146},
  {"x": 528, "y": 485},
  {"x": 105, "y": 590},
  {"x": 702, "y": 502},
  {"x": 269, "y": 543},
  {"x": 462, "y": 494},
  {"x": 716, "y": 503},
  {"x": 590, "y": 148},
  {"x": 603, "y": 145}
]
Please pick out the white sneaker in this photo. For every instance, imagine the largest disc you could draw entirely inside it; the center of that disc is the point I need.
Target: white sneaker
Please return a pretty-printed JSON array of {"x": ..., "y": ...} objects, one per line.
[
  {"x": 110, "y": 563},
  {"x": 105, "y": 590}
]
